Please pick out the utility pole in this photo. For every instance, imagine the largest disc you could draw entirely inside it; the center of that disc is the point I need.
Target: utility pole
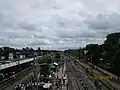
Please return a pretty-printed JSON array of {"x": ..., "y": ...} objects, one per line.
[
  {"x": 36, "y": 70},
  {"x": 79, "y": 53}
]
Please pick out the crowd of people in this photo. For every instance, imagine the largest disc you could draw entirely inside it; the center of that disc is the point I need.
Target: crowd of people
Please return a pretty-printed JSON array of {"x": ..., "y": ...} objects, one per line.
[{"x": 29, "y": 84}]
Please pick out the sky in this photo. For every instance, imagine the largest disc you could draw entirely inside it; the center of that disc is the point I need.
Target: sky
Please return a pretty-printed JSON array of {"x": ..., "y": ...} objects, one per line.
[{"x": 57, "y": 24}]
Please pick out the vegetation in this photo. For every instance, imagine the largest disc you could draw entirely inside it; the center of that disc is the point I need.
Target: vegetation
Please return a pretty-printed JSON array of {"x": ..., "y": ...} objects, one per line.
[
  {"x": 57, "y": 56},
  {"x": 93, "y": 53},
  {"x": 27, "y": 51},
  {"x": 109, "y": 51},
  {"x": 46, "y": 59},
  {"x": 45, "y": 70},
  {"x": 45, "y": 62}
]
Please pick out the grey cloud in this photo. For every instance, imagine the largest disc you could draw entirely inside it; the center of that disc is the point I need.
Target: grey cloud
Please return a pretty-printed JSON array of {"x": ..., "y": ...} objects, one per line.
[
  {"x": 39, "y": 36},
  {"x": 77, "y": 33},
  {"x": 37, "y": 43},
  {"x": 56, "y": 24},
  {"x": 104, "y": 21},
  {"x": 26, "y": 26}
]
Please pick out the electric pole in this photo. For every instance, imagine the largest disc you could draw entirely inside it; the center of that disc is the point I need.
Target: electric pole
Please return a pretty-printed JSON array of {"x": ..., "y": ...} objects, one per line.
[{"x": 79, "y": 53}]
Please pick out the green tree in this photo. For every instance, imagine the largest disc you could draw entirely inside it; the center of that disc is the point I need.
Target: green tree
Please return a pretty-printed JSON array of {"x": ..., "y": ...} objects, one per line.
[
  {"x": 45, "y": 70},
  {"x": 116, "y": 64},
  {"x": 6, "y": 50},
  {"x": 93, "y": 53},
  {"x": 46, "y": 59},
  {"x": 39, "y": 51},
  {"x": 57, "y": 56},
  {"x": 112, "y": 49},
  {"x": 111, "y": 45}
]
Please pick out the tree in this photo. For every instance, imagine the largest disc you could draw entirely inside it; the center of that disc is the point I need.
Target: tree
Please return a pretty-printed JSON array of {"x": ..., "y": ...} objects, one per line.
[
  {"x": 39, "y": 51},
  {"x": 45, "y": 70},
  {"x": 6, "y": 50},
  {"x": 49, "y": 59},
  {"x": 93, "y": 53},
  {"x": 111, "y": 45},
  {"x": 116, "y": 64},
  {"x": 112, "y": 49},
  {"x": 57, "y": 56},
  {"x": 46, "y": 59}
]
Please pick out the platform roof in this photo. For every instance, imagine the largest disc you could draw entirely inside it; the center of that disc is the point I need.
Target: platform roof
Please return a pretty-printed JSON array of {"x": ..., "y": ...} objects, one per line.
[
  {"x": 47, "y": 85},
  {"x": 11, "y": 64}
]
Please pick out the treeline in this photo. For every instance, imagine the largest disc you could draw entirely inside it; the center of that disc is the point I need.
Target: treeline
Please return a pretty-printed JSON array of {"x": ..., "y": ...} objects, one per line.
[
  {"x": 106, "y": 54},
  {"x": 27, "y": 51}
]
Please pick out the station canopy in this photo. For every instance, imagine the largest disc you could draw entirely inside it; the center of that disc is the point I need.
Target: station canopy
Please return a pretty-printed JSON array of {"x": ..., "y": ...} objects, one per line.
[
  {"x": 55, "y": 63},
  {"x": 11, "y": 64},
  {"x": 47, "y": 85}
]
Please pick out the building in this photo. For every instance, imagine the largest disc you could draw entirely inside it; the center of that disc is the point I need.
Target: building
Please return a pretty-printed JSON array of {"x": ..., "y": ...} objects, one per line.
[
  {"x": 2, "y": 57},
  {"x": 17, "y": 55},
  {"x": 35, "y": 53},
  {"x": 10, "y": 56},
  {"x": 22, "y": 56}
]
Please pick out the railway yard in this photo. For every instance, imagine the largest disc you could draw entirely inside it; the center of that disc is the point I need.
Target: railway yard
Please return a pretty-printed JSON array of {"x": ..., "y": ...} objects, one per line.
[{"x": 70, "y": 75}]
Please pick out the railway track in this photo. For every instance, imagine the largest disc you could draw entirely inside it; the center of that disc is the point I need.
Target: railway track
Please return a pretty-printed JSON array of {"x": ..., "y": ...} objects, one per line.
[
  {"x": 76, "y": 77},
  {"x": 104, "y": 82},
  {"x": 84, "y": 78},
  {"x": 10, "y": 81},
  {"x": 79, "y": 77},
  {"x": 73, "y": 79}
]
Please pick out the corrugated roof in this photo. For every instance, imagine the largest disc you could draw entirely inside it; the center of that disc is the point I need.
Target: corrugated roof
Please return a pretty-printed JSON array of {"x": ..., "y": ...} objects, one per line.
[
  {"x": 47, "y": 85},
  {"x": 4, "y": 66},
  {"x": 55, "y": 63}
]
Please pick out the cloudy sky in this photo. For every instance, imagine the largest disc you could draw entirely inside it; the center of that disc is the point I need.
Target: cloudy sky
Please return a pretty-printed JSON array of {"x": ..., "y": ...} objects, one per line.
[{"x": 57, "y": 24}]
